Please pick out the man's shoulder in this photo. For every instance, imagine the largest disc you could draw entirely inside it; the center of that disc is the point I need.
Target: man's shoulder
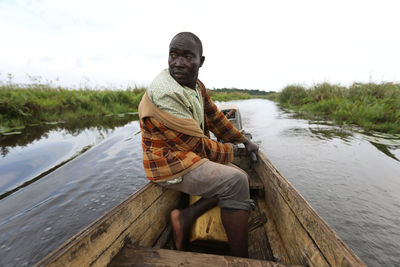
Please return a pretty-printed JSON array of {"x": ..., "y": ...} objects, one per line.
[{"x": 164, "y": 84}]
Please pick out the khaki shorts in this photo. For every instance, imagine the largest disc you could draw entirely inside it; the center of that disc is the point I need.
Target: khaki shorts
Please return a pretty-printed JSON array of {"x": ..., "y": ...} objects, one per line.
[{"x": 228, "y": 183}]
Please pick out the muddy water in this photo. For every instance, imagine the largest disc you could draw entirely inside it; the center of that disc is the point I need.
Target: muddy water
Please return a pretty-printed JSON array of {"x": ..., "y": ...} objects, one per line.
[{"x": 350, "y": 177}]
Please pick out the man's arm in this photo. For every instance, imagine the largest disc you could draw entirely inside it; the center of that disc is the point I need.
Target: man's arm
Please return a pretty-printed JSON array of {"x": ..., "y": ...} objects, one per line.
[
  {"x": 178, "y": 143},
  {"x": 223, "y": 128},
  {"x": 219, "y": 124}
]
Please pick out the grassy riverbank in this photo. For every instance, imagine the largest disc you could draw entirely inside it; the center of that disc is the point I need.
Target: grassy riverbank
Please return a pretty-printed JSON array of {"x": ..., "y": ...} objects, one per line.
[
  {"x": 22, "y": 105},
  {"x": 228, "y": 94},
  {"x": 27, "y": 105},
  {"x": 369, "y": 105}
]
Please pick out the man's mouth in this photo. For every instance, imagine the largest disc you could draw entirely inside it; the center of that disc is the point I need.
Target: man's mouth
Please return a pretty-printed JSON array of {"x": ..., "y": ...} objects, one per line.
[{"x": 179, "y": 74}]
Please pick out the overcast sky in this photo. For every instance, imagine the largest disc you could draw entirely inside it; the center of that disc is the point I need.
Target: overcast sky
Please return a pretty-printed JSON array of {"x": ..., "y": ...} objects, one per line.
[{"x": 247, "y": 44}]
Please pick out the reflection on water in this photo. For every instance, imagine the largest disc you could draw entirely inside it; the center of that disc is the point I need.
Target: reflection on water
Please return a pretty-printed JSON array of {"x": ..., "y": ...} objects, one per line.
[
  {"x": 31, "y": 134},
  {"x": 389, "y": 144},
  {"x": 352, "y": 182},
  {"x": 386, "y": 149},
  {"x": 41, "y": 149}
]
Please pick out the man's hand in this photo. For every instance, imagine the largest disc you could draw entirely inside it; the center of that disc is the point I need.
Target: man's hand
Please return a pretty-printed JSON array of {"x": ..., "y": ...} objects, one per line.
[
  {"x": 235, "y": 149},
  {"x": 250, "y": 146}
]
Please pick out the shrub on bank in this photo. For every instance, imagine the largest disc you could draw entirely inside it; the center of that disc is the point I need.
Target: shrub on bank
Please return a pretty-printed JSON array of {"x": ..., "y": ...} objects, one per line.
[
  {"x": 293, "y": 95},
  {"x": 371, "y": 106}
]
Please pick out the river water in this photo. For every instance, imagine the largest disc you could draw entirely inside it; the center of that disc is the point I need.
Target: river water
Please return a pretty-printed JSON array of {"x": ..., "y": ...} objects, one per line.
[{"x": 53, "y": 186}]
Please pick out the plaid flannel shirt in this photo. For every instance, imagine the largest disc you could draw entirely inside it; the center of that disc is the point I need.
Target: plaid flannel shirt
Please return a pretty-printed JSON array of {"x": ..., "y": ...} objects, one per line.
[{"x": 168, "y": 153}]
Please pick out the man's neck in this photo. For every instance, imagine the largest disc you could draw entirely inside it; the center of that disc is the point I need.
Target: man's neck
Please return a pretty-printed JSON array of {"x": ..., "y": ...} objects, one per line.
[{"x": 191, "y": 86}]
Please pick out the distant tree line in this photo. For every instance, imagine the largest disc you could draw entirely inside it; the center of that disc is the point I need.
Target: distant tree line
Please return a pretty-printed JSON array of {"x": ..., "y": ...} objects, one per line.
[{"x": 247, "y": 91}]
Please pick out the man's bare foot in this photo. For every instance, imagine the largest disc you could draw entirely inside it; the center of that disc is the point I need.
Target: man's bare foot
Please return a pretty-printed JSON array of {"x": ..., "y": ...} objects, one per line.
[{"x": 178, "y": 228}]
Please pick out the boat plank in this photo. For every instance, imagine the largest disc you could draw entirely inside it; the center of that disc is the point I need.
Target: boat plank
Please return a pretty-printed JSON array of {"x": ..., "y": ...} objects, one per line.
[
  {"x": 259, "y": 248},
  {"x": 254, "y": 181},
  {"x": 146, "y": 230},
  {"x": 278, "y": 250},
  {"x": 164, "y": 237},
  {"x": 132, "y": 256}
]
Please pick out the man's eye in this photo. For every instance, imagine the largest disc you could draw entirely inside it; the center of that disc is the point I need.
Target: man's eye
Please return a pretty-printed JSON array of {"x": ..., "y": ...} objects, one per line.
[
  {"x": 189, "y": 57},
  {"x": 173, "y": 55}
]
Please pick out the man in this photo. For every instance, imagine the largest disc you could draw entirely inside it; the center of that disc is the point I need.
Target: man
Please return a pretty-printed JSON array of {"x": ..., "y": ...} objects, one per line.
[{"x": 176, "y": 115}]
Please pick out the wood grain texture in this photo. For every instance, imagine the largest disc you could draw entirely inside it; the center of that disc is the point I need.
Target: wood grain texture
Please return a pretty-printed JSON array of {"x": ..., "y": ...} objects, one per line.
[
  {"x": 208, "y": 227},
  {"x": 259, "y": 248},
  {"x": 254, "y": 182},
  {"x": 302, "y": 230},
  {"x": 162, "y": 241},
  {"x": 131, "y": 256},
  {"x": 103, "y": 239},
  {"x": 278, "y": 250}
]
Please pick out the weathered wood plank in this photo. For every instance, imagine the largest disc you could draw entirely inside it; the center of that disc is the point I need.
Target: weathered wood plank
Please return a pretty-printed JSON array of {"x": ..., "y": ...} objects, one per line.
[
  {"x": 254, "y": 182},
  {"x": 259, "y": 247},
  {"x": 130, "y": 256},
  {"x": 278, "y": 250},
  {"x": 292, "y": 212},
  {"x": 101, "y": 240},
  {"x": 164, "y": 237},
  {"x": 145, "y": 230},
  {"x": 148, "y": 227}
]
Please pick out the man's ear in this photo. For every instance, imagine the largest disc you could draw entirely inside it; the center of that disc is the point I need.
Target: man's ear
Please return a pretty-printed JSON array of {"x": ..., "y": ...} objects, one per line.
[{"x": 202, "y": 60}]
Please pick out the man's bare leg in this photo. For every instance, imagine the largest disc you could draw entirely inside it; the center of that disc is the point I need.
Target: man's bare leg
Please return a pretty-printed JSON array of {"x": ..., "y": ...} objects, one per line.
[
  {"x": 181, "y": 220},
  {"x": 236, "y": 227}
]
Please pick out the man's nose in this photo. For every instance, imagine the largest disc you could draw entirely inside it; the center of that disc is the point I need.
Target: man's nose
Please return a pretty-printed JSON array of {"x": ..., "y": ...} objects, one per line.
[{"x": 179, "y": 62}]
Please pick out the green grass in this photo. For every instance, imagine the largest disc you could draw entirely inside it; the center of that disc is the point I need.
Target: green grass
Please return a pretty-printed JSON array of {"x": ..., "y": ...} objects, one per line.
[
  {"x": 34, "y": 104},
  {"x": 369, "y": 105}
]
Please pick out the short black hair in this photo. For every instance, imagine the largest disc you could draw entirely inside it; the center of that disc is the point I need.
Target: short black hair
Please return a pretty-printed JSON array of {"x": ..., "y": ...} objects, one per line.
[{"x": 193, "y": 37}]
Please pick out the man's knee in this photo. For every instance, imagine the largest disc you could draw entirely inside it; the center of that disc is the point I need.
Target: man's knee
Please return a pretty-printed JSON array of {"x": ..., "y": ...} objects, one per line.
[
  {"x": 238, "y": 185},
  {"x": 237, "y": 195},
  {"x": 241, "y": 180}
]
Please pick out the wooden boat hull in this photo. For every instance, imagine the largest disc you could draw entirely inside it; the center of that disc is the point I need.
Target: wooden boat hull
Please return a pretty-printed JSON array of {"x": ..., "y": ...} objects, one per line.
[{"x": 295, "y": 232}]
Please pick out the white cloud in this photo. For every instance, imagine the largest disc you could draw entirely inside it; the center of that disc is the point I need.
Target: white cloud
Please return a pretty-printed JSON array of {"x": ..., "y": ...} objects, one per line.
[{"x": 257, "y": 44}]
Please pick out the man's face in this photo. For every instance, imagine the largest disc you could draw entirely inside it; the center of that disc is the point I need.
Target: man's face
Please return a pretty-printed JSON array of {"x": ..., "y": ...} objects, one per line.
[{"x": 184, "y": 61}]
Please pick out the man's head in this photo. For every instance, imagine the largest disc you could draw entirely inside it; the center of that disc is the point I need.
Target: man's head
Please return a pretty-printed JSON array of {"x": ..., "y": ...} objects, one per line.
[{"x": 185, "y": 58}]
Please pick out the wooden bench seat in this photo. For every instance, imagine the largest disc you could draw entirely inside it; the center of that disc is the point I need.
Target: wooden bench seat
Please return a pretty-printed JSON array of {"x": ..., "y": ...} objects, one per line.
[{"x": 133, "y": 256}]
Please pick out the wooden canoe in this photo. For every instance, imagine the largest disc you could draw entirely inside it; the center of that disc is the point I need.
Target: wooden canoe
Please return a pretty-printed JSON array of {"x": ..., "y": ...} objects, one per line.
[{"x": 283, "y": 230}]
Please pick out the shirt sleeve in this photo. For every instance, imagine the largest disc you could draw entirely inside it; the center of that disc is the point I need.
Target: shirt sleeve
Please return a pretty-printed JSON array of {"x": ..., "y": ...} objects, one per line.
[
  {"x": 202, "y": 146},
  {"x": 219, "y": 124}
]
